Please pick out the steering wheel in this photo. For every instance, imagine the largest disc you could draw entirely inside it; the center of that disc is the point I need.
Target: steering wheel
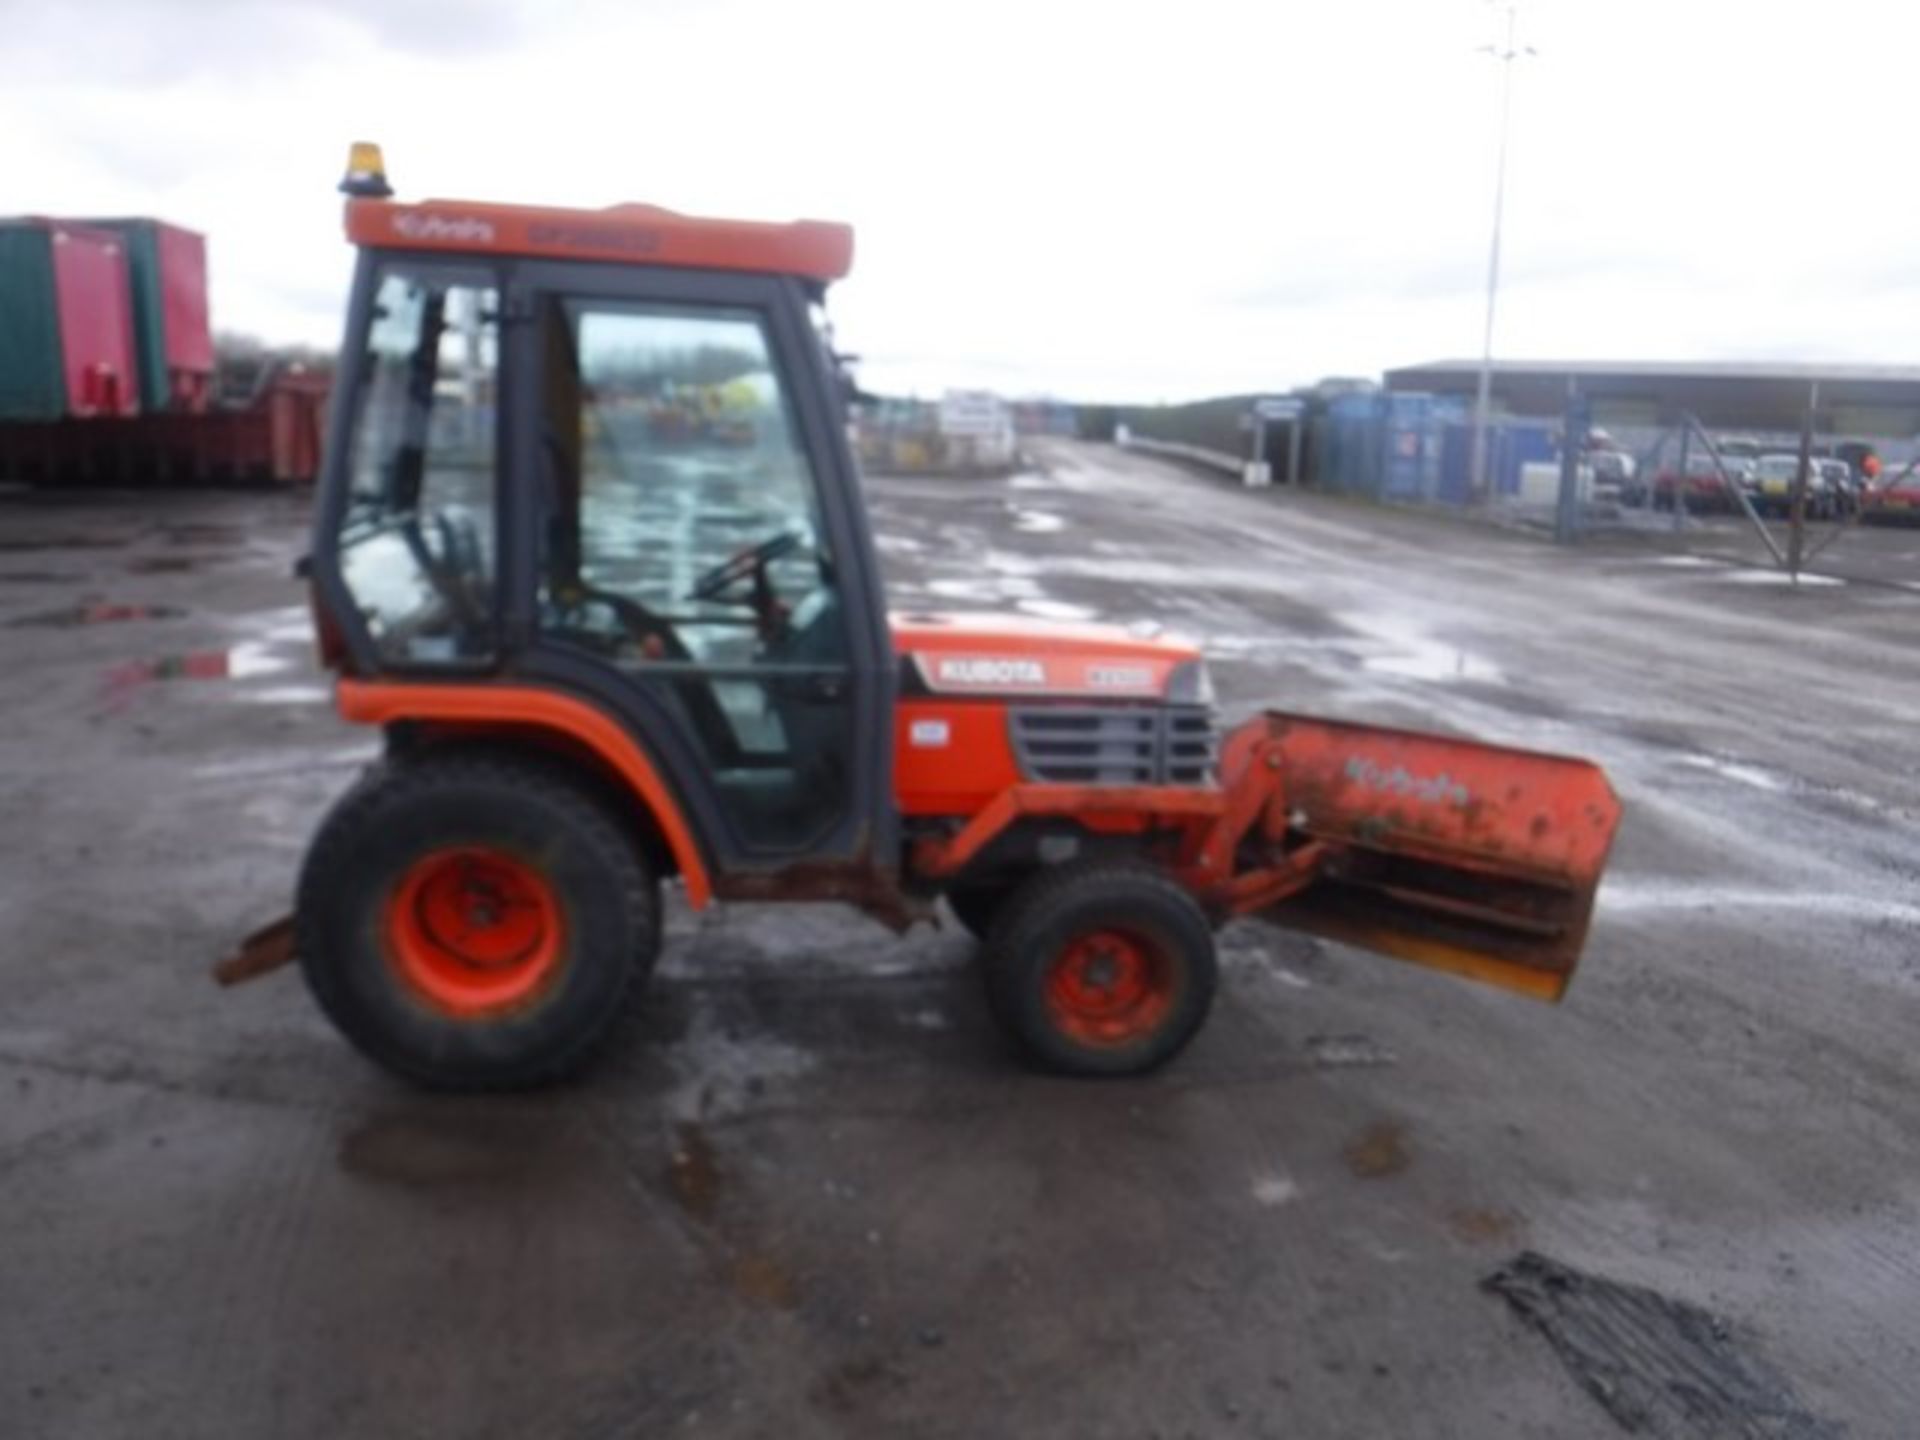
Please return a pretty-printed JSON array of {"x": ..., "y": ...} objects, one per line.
[
  {"x": 749, "y": 564},
  {"x": 653, "y": 634},
  {"x": 453, "y": 571}
]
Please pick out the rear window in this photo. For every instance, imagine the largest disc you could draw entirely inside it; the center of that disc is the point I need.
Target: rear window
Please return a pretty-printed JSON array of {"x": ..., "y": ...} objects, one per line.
[{"x": 417, "y": 533}]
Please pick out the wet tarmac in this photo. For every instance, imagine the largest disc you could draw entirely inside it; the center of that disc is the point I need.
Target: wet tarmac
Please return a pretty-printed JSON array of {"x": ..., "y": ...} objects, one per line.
[{"x": 809, "y": 1194}]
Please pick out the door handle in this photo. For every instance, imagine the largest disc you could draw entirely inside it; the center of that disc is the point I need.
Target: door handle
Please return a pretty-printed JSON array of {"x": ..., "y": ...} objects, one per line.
[{"x": 810, "y": 689}]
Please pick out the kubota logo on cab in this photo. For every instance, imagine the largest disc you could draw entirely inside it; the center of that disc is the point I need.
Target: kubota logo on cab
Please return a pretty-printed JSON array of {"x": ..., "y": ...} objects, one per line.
[
  {"x": 990, "y": 670},
  {"x": 468, "y": 228}
]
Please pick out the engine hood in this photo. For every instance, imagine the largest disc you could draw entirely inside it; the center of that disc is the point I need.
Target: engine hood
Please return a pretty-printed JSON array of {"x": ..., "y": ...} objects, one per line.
[{"x": 969, "y": 654}]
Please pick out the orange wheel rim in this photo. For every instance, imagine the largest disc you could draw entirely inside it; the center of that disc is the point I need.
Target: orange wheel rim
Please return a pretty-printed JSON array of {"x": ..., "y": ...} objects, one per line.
[
  {"x": 474, "y": 931},
  {"x": 1109, "y": 987}
]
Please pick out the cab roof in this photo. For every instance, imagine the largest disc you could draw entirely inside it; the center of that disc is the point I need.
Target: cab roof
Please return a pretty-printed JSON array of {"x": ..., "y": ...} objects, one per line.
[{"x": 819, "y": 250}]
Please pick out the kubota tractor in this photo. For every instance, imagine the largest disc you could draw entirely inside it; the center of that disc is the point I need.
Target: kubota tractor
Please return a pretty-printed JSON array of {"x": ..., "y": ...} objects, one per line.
[{"x": 601, "y": 661}]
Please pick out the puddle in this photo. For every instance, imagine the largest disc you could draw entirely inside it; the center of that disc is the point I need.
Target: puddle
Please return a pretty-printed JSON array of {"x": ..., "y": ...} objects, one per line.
[
  {"x": 857, "y": 1384},
  {"x": 1002, "y": 562},
  {"x": 697, "y": 1184},
  {"x": 992, "y": 591},
  {"x": 1437, "y": 663},
  {"x": 1478, "y": 1225},
  {"x": 244, "y": 661},
  {"x": 196, "y": 665},
  {"x": 693, "y": 1174},
  {"x": 1055, "y": 610},
  {"x": 1348, "y": 1052},
  {"x": 754, "y": 1276},
  {"x": 285, "y": 695},
  {"x": 163, "y": 565},
  {"x": 353, "y": 756},
  {"x": 1037, "y": 522},
  {"x": 1382, "y": 644},
  {"x": 450, "y": 1149},
  {"x": 1255, "y": 648},
  {"x": 291, "y": 626},
  {"x": 74, "y": 616},
  {"x": 1624, "y": 895},
  {"x": 722, "y": 1073},
  {"x": 1273, "y": 1191},
  {"x": 1746, "y": 774},
  {"x": 1379, "y": 1151},
  {"x": 16, "y": 545},
  {"x": 1658, "y": 1366},
  {"x": 1777, "y": 577},
  {"x": 1174, "y": 576},
  {"x": 252, "y": 657},
  {"x": 201, "y": 534},
  {"x": 1394, "y": 647}
]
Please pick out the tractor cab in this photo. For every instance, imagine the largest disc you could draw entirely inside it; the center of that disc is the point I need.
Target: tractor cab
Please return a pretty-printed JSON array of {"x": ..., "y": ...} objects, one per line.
[{"x": 602, "y": 454}]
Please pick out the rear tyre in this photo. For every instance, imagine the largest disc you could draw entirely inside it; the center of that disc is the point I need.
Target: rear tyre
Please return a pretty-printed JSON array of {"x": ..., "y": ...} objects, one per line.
[
  {"x": 472, "y": 922},
  {"x": 1100, "y": 970}
]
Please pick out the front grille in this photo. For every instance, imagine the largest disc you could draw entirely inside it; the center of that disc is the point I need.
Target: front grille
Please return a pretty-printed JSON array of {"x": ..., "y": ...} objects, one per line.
[{"x": 1114, "y": 744}]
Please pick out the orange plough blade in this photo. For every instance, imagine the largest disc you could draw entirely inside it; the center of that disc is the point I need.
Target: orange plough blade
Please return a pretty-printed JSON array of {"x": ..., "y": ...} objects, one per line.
[{"x": 1476, "y": 859}]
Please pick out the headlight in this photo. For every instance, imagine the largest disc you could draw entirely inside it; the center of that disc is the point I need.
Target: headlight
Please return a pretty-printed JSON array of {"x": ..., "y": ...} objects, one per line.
[{"x": 1190, "y": 684}]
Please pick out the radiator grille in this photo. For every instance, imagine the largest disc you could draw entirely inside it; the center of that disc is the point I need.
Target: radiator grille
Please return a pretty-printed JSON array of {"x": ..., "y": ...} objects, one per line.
[{"x": 1114, "y": 744}]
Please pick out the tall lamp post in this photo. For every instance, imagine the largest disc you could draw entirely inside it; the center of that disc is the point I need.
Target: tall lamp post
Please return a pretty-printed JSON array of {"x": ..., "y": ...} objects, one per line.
[{"x": 1506, "y": 54}]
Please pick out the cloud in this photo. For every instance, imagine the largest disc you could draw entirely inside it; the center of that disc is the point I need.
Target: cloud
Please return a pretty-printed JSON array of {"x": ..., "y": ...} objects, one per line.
[
  {"x": 163, "y": 44},
  {"x": 1115, "y": 199}
]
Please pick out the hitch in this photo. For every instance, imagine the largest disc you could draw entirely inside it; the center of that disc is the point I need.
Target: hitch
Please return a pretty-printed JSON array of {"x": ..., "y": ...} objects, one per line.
[{"x": 267, "y": 948}]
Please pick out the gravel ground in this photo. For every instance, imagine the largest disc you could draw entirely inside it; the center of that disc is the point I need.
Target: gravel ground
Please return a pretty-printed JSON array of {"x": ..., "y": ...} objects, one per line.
[{"x": 811, "y": 1195}]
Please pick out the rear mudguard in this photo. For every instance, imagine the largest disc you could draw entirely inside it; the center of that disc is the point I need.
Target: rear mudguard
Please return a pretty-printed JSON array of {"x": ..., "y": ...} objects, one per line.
[{"x": 1471, "y": 858}]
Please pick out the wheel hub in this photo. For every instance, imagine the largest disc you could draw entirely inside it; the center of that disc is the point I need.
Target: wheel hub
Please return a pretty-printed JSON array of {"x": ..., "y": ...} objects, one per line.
[
  {"x": 474, "y": 931},
  {"x": 1109, "y": 987}
]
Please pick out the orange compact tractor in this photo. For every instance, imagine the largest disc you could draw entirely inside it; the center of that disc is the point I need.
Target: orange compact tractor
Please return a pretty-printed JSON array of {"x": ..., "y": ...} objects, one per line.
[{"x": 603, "y": 656}]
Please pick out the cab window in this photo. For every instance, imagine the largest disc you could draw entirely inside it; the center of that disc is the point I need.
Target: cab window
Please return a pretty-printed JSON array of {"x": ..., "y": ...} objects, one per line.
[
  {"x": 417, "y": 534},
  {"x": 684, "y": 545}
]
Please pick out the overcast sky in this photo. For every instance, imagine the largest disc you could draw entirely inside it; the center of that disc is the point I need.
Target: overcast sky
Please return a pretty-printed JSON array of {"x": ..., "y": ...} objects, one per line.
[{"x": 1099, "y": 200}]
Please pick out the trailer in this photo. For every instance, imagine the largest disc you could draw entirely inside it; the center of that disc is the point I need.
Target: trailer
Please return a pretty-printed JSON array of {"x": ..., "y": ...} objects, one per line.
[
  {"x": 270, "y": 437},
  {"x": 66, "y": 322},
  {"x": 107, "y": 373}
]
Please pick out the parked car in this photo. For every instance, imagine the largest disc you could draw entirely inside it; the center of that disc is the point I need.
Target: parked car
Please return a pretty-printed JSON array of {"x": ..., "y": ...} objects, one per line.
[
  {"x": 1773, "y": 481},
  {"x": 1613, "y": 468},
  {"x": 1741, "y": 468},
  {"x": 1896, "y": 504},
  {"x": 1863, "y": 459},
  {"x": 1704, "y": 489},
  {"x": 1843, "y": 485}
]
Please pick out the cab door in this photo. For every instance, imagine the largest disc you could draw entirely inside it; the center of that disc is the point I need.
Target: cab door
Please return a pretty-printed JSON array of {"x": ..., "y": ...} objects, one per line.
[{"x": 695, "y": 552}]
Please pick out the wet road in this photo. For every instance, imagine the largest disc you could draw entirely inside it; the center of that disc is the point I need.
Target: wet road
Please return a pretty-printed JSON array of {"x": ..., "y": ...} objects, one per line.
[{"x": 810, "y": 1196}]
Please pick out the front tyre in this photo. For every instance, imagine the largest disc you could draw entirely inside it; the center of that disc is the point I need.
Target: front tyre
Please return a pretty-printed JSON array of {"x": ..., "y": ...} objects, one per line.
[
  {"x": 472, "y": 921},
  {"x": 1104, "y": 969}
]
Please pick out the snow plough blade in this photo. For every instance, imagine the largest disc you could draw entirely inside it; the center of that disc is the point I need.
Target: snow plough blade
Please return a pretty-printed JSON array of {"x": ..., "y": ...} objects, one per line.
[{"x": 1471, "y": 858}]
